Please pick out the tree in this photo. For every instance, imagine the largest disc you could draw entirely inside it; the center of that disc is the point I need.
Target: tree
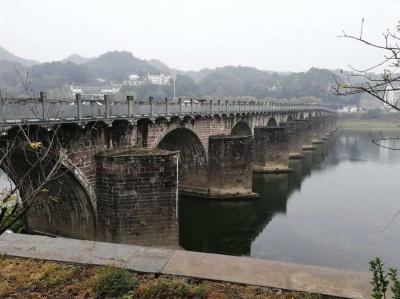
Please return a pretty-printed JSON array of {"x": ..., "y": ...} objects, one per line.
[{"x": 382, "y": 86}]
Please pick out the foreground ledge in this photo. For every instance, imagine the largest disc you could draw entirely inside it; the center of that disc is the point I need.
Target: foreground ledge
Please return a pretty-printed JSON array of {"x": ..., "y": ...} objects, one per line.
[{"x": 289, "y": 276}]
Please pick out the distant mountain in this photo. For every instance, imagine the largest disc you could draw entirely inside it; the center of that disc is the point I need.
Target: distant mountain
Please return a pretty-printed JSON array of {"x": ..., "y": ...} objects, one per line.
[
  {"x": 8, "y": 56},
  {"x": 161, "y": 66},
  {"x": 197, "y": 76},
  {"x": 11, "y": 76},
  {"x": 118, "y": 65},
  {"x": 315, "y": 85},
  {"x": 76, "y": 58}
]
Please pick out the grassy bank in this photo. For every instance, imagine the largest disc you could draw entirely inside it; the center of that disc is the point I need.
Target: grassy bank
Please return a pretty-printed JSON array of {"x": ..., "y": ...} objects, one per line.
[
  {"x": 368, "y": 125},
  {"x": 28, "y": 278}
]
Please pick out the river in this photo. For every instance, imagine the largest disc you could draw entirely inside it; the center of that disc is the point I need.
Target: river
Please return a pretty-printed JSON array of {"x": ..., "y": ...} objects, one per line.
[{"x": 334, "y": 210}]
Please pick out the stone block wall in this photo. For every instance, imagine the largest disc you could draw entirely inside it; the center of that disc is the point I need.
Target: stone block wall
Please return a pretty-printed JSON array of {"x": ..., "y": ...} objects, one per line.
[
  {"x": 271, "y": 147},
  {"x": 295, "y": 136},
  {"x": 230, "y": 164},
  {"x": 136, "y": 193},
  {"x": 307, "y": 129}
]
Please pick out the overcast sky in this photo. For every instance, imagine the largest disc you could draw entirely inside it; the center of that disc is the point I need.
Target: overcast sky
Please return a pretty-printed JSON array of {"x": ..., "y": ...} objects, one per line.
[{"x": 280, "y": 35}]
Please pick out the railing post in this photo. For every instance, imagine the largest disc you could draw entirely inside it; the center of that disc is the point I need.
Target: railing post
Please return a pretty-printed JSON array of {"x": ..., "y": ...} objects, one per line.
[
  {"x": 78, "y": 106},
  {"x": 234, "y": 106},
  {"x": 151, "y": 105},
  {"x": 202, "y": 105},
  {"x": 226, "y": 105},
  {"x": 166, "y": 106},
  {"x": 239, "y": 105},
  {"x": 211, "y": 106},
  {"x": 107, "y": 106},
  {"x": 92, "y": 102},
  {"x": 129, "y": 99},
  {"x": 3, "y": 102},
  {"x": 180, "y": 105},
  {"x": 191, "y": 106},
  {"x": 219, "y": 106},
  {"x": 41, "y": 100}
]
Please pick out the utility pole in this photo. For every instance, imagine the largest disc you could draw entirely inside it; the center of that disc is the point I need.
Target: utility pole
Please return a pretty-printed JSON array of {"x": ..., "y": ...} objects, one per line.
[{"x": 174, "y": 84}]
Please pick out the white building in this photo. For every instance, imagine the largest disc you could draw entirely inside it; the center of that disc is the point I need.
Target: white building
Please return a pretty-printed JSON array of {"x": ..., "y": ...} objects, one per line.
[
  {"x": 95, "y": 91},
  {"x": 350, "y": 109},
  {"x": 134, "y": 80},
  {"x": 160, "y": 79}
]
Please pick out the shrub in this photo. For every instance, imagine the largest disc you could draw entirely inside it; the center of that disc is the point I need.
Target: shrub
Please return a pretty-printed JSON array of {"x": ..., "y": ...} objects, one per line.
[
  {"x": 172, "y": 288},
  {"x": 380, "y": 280},
  {"x": 113, "y": 282}
]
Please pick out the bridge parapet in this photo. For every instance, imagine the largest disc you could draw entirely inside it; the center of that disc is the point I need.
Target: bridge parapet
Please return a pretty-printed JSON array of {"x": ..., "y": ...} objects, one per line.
[{"x": 44, "y": 110}]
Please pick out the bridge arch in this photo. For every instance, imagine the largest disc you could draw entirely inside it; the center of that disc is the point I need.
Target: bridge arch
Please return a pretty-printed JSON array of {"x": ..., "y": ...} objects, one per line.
[
  {"x": 192, "y": 155},
  {"x": 241, "y": 128},
  {"x": 65, "y": 206},
  {"x": 272, "y": 122}
]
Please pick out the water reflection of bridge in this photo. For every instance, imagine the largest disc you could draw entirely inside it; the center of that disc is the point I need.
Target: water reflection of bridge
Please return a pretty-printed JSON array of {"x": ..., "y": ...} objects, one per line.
[{"x": 230, "y": 227}]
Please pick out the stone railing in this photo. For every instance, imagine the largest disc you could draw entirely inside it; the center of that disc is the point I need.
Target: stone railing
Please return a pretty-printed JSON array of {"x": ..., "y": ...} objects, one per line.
[{"x": 43, "y": 110}]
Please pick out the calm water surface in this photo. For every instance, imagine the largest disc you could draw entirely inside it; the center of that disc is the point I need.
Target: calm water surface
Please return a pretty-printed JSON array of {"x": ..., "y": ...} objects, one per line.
[{"x": 332, "y": 211}]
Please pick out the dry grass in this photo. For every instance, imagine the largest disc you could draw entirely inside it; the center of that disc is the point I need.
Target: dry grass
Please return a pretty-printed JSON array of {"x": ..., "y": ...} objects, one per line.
[{"x": 27, "y": 278}]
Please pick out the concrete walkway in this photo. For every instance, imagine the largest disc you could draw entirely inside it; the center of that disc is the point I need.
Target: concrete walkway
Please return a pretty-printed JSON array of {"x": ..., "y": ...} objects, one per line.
[{"x": 251, "y": 271}]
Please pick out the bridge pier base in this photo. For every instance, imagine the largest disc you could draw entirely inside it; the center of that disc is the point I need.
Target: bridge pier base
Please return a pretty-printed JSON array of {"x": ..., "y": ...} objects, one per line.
[
  {"x": 136, "y": 192},
  {"x": 230, "y": 171},
  {"x": 295, "y": 135},
  {"x": 308, "y": 134},
  {"x": 272, "y": 150}
]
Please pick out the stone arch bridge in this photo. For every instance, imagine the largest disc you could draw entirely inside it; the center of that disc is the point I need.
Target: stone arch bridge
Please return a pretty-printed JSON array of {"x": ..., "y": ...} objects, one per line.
[{"x": 127, "y": 159}]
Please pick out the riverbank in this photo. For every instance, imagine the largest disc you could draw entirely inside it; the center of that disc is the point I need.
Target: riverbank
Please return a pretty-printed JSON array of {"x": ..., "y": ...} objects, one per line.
[
  {"x": 368, "y": 125},
  {"x": 200, "y": 267},
  {"x": 28, "y": 278}
]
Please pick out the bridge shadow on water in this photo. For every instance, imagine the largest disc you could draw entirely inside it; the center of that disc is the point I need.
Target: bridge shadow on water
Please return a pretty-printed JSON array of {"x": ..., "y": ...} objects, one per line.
[{"x": 230, "y": 227}]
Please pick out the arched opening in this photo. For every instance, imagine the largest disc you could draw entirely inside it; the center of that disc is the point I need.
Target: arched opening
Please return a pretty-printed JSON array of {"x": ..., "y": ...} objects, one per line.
[
  {"x": 62, "y": 206},
  {"x": 301, "y": 116},
  {"x": 289, "y": 118},
  {"x": 241, "y": 128},
  {"x": 272, "y": 123},
  {"x": 192, "y": 156}
]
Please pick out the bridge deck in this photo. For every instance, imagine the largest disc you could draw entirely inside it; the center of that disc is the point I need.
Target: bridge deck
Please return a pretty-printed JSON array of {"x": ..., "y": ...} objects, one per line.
[{"x": 43, "y": 111}]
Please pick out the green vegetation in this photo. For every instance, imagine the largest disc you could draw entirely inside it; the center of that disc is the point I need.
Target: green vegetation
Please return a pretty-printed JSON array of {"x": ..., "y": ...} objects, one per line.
[
  {"x": 28, "y": 278},
  {"x": 368, "y": 124},
  {"x": 113, "y": 282},
  {"x": 380, "y": 280},
  {"x": 171, "y": 288},
  {"x": 19, "y": 226}
]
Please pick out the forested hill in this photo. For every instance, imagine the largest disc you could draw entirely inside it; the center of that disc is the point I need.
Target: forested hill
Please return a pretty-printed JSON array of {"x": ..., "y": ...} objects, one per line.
[
  {"x": 231, "y": 81},
  {"x": 8, "y": 56}
]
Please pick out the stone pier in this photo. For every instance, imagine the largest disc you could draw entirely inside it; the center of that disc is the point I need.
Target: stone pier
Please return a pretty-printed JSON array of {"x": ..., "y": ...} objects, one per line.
[
  {"x": 230, "y": 164},
  {"x": 308, "y": 134},
  {"x": 296, "y": 137},
  {"x": 272, "y": 149},
  {"x": 136, "y": 197}
]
